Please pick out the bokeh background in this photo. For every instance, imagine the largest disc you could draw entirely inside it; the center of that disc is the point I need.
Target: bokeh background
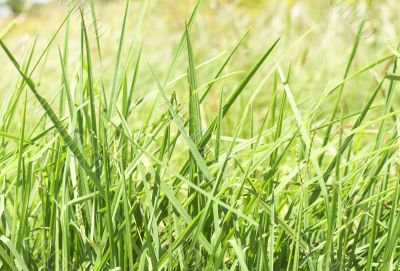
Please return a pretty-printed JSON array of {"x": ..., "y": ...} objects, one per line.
[{"x": 316, "y": 40}]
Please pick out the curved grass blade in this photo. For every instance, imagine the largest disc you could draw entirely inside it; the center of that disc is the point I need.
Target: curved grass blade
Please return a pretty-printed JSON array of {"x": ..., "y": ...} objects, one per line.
[{"x": 72, "y": 145}]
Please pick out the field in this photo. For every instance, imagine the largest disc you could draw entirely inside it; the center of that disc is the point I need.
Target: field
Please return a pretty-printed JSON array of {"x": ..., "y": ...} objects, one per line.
[{"x": 200, "y": 135}]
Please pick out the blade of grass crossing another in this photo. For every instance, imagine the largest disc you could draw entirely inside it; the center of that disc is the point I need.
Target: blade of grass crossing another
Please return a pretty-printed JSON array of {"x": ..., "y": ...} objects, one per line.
[{"x": 72, "y": 145}]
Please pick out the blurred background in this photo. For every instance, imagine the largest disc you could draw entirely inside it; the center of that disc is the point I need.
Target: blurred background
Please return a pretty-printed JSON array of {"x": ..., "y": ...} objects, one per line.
[{"x": 316, "y": 39}]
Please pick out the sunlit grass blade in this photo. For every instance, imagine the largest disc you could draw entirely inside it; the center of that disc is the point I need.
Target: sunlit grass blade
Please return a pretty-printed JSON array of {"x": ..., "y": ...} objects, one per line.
[{"x": 56, "y": 121}]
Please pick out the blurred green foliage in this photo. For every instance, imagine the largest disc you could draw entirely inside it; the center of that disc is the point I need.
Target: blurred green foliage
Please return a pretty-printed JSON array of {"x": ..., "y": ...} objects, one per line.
[{"x": 16, "y": 5}]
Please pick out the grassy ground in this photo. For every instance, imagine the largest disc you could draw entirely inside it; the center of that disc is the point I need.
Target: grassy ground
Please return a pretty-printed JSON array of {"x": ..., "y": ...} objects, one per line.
[{"x": 222, "y": 135}]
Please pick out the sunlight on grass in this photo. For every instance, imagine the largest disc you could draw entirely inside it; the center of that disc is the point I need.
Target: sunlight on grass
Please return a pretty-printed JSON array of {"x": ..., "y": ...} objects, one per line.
[{"x": 207, "y": 135}]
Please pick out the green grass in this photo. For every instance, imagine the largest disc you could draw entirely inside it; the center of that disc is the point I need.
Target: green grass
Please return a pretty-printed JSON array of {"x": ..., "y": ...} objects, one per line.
[{"x": 217, "y": 168}]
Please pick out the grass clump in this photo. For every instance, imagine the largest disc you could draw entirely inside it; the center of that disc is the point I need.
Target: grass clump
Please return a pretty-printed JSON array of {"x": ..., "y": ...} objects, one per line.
[{"x": 108, "y": 177}]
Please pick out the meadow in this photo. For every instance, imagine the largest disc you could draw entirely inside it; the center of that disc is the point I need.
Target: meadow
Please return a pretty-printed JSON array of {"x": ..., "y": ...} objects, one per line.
[{"x": 200, "y": 135}]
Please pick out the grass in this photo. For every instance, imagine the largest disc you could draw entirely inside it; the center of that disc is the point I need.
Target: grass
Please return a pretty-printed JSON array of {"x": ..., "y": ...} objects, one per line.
[{"x": 217, "y": 168}]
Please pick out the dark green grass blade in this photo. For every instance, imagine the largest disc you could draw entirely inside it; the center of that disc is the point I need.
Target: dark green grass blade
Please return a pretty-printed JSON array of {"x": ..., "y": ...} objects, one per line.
[
  {"x": 347, "y": 141},
  {"x": 72, "y": 145}
]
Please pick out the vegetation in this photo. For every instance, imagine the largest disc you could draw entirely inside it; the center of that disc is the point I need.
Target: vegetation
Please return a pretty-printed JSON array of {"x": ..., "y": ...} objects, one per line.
[
  {"x": 217, "y": 168},
  {"x": 16, "y": 5}
]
